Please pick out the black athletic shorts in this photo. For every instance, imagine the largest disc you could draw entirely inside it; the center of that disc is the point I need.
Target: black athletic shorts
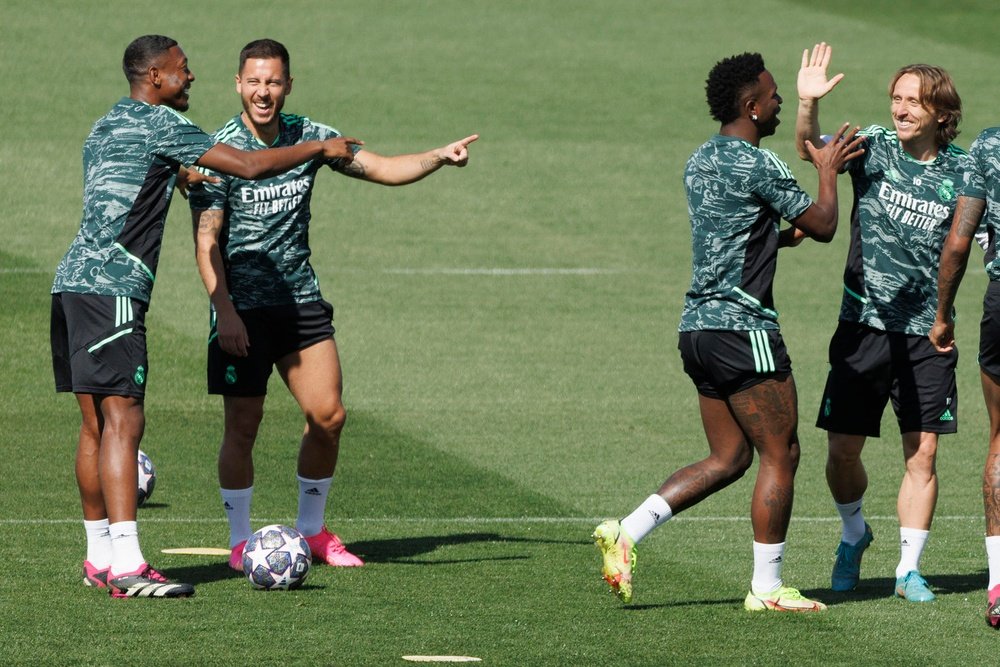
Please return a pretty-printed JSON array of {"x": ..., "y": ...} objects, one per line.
[
  {"x": 868, "y": 367},
  {"x": 723, "y": 363},
  {"x": 99, "y": 344},
  {"x": 989, "y": 332},
  {"x": 274, "y": 332}
]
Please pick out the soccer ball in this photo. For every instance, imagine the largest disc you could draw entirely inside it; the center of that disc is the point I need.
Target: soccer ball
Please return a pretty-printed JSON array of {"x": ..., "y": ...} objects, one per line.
[
  {"x": 147, "y": 477},
  {"x": 276, "y": 557}
]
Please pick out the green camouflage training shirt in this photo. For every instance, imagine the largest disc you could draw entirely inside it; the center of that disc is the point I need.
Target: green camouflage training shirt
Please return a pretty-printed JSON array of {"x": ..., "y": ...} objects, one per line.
[
  {"x": 984, "y": 183},
  {"x": 130, "y": 162},
  {"x": 902, "y": 213},
  {"x": 265, "y": 237},
  {"x": 737, "y": 195}
]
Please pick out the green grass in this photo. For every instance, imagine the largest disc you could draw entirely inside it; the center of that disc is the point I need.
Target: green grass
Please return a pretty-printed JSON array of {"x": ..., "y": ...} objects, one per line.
[{"x": 493, "y": 418}]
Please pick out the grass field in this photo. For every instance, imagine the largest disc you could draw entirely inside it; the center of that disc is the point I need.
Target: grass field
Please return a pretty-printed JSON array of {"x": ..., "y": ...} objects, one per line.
[{"x": 507, "y": 335}]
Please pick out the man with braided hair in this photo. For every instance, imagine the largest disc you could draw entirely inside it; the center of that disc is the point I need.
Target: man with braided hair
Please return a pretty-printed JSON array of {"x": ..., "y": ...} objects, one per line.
[{"x": 729, "y": 338}]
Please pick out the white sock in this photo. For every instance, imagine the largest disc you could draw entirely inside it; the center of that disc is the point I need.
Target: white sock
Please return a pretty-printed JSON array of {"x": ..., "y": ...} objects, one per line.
[
  {"x": 312, "y": 504},
  {"x": 98, "y": 543},
  {"x": 993, "y": 558},
  {"x": 911, "y": 545},
  {"x": 653, "y": 511},
  {"x": 767, "y": 562},
  {"x": 236, "y": 502},
  {"x": 125, "y": 553},
  {"x": 852, "y": 521}
]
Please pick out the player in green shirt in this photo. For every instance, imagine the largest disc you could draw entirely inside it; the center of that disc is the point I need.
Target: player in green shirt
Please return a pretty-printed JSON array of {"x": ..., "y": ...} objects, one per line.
[
  {"x": 267, "y": 310},
  {"x": 103, "y": 286},
  {"x": 729, "y": 340},
  {"x": 905, "y": 191},
  {"x": 981, "y": 197}
]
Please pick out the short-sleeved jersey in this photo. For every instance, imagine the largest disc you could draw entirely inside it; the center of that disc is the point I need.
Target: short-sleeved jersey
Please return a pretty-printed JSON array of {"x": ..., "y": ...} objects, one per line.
[
  {"x": 265, "y": 236},
  {"x": 984, "y": 183},
  {"x": 130, "y": 163},
  {"x": 901, "y": 215},
  {"x": 737, "y": 194}
]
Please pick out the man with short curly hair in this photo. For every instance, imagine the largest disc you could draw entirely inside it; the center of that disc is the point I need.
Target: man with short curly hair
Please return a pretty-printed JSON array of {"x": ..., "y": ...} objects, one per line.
[{"x": 729, "y": 338}]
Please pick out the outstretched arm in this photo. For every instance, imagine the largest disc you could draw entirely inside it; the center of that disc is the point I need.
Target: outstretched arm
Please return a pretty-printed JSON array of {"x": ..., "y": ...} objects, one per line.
[
  {"x": 954, "y": 259},
  {"x": 233, "y": 338},
  {"x": 273, "y": 161},
  {"x": 812, "y": 85},
  {"x": 403, "y": 169}
]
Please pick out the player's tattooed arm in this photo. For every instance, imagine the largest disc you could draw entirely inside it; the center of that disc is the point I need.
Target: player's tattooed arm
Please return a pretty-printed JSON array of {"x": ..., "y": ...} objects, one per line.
[
  {"x": 355, "y": 169},
  {"x": 207, "y": 222},
  {"x": 968, "y": 215},
  {"x": 951, "y": 268}
]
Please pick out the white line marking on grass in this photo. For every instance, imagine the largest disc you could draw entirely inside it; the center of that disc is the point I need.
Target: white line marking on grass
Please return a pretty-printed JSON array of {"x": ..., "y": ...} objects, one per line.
[
  {"x": 498, "y": 271},
  {"x": 473, "y": 520},
  {"x": 441, "y": 658}
]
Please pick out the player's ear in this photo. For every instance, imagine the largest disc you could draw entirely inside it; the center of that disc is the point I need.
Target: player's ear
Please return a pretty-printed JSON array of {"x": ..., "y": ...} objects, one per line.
[
  {"x": 288, "y": 87},
  {"x": 239, "y": 84},
  {"x": 153, "y": 75},
  {"x": 748, "y": 105}
]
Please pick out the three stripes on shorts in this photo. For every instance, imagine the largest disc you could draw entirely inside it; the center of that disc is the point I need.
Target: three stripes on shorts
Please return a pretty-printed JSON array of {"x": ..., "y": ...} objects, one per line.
[{"x": 762, "y": 358}]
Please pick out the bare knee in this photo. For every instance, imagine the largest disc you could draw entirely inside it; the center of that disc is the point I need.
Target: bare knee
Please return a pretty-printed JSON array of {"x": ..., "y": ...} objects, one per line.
[
  {"x": 242, "y": 423},
  {"x": 734, "y": 465},
  {"x": 920, "y": 453},
  {"x": 328, "y": 422},
  {"x": 844, "y": 451}
]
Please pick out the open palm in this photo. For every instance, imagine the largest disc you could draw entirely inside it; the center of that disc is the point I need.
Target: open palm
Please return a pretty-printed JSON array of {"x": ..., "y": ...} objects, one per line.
[{"x": 812, "y": 81}]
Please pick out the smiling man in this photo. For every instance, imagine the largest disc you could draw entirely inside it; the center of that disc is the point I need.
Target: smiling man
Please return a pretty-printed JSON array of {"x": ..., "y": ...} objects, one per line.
[
  {"x": 252, "y": 247},
  {"x": 729, "y": 338},
  {"x": 104, "y": 283},
  {"x": 905, "y": 191}
]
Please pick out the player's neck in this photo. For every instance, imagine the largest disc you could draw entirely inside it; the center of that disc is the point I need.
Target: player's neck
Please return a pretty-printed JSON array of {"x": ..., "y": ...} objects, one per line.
[
  {"x": 265, "y": 134},
  {"x": 922, "y": 150},
  {"x": 741, "y": 128}
]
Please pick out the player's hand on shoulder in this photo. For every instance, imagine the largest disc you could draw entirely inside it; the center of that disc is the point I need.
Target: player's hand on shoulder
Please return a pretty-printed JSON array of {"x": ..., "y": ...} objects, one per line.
[
  {"x": 457, "y": 152},
  {"x": 191, "y": 179},
  {"x": 340, "y": 148}
]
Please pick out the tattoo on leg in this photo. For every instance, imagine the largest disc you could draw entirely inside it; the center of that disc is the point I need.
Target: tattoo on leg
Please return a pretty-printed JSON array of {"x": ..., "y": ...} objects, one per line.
[{"x": 991, "y": 493}]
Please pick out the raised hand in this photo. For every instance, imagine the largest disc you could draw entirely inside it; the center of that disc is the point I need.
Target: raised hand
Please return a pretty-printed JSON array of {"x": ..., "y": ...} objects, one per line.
[{"x": 812, "y": 82}]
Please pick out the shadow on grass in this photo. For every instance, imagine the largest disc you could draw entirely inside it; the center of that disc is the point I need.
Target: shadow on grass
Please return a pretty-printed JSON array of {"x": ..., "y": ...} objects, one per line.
[
  {"x": 400, "y": 551},
  {"x": 403, "y": 550},
  {"x": 884, "y": 587},
  {"x": 149, "y": 505},
  {"x": 729, "y": 602},
  {"x": 868, "y": 589}
]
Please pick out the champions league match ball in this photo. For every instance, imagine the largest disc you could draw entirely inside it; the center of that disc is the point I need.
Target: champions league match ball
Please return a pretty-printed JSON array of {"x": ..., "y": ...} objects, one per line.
[
  {"x": 147, "y": 477},
  {"x": 276, "y": 558}
]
